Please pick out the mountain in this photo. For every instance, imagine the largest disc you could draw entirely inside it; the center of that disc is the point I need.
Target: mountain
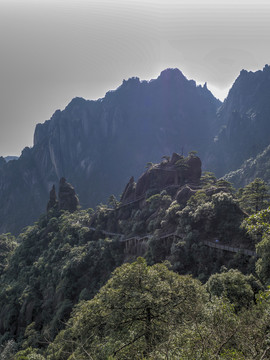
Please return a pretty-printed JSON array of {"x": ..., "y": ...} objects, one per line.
[
  {"x": 244, "y": 119},
  {"x": 193, "y": 223},
  {"x": 98, "y": 145},
  {"x": 175, "y": 214},
  {"x": 255, "y": 167}
]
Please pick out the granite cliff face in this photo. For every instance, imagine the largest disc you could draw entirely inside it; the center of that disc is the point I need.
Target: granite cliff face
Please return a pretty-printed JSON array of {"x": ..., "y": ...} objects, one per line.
[
  {"x": 68, "y": 199},
  {"x": 97, "y": 145},
  {"x": 244, "y": 118},
  {"x": 170, "y": 173}
]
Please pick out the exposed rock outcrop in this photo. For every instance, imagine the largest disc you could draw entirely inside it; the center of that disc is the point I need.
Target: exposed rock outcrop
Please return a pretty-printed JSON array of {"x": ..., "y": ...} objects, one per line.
[
  {"x": 53, "y": 203},
  {"x": 171, "y": 173},
  {"x": 98, "y": 144},
  {"x": 184, "y": 194},
  {"x": 129, "y": 192},
  {"x": 68, "y": 199}
]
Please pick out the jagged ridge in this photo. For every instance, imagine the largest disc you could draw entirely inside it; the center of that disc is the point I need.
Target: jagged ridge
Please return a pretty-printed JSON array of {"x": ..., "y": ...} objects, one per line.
[{"x": 97, "y": 145}]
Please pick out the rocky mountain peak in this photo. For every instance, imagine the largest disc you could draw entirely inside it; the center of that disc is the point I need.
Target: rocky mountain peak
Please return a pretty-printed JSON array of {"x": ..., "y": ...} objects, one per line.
[
  {"x": 98, "y": 144},
  {"x": 171, "y": 74}
]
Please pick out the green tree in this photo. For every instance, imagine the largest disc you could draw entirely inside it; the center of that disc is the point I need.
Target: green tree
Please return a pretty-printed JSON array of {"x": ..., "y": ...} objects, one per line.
[
  {"x": 208, "y": 179},
  {"x": 113, "y": 202},
  {"x": 254, "y": 197},
  {"x": 149, "y": 165},
  {"x": 192, "y": 153},
  {"x": 181, "y": 164},
  {"x": 208, "y": 336},
  {"x": 237, "y": 287},
  {"x": 136, "y": 310},
  {"x": 225, "y": 185},
  {"x": 7, "y": 246},
  {"x": 263, "y": 263},
  {"x": 258, "y": 227},
  {"x": 8, "y": 350},
  {"x": 28, "y": 354}
]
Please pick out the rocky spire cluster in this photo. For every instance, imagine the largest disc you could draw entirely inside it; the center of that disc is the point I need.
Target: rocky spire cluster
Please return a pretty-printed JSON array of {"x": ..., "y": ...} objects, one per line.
[{"x": 67, "y": 198}]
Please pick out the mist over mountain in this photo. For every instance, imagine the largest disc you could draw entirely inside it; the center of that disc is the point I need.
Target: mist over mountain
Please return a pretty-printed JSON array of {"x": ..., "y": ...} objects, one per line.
[{"x": 98, "y": 145}]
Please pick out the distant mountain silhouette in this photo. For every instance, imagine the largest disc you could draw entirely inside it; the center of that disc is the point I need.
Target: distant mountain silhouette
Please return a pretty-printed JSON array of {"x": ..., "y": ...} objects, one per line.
[{"x": 98, "y": 145}]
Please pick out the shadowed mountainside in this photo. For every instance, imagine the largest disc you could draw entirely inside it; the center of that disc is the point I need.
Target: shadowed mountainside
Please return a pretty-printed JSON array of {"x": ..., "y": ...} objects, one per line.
[
  {"x": 97, "y": 145},
  {"x": 244, "y": 118}
]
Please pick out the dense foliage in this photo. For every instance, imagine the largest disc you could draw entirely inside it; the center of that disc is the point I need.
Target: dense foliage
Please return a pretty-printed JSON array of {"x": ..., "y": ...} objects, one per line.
[
  {"x": 130, "y": 315},
  {"x": 150, "y": 312},
  {"x": 57, "y": 262},
  {"x": 57, "y": 268}
]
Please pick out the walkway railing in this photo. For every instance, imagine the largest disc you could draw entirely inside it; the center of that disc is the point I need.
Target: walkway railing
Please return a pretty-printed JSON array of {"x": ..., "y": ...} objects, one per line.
[
  {"x": 230, "y": 248},
  {"x": 174, "y": 234}
]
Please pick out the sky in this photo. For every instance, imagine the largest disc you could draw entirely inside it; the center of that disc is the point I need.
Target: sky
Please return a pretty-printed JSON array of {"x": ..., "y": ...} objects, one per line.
[{"x": 55, "y": 50}]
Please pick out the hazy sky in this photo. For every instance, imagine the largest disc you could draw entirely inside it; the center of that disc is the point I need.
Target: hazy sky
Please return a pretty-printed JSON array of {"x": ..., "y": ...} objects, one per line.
[{"x": 54, "y": 50}]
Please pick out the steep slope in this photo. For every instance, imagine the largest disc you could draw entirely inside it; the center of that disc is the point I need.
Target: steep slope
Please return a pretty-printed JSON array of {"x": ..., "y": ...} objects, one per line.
[
  {"x": 66, "y": 257},
  {"x": 97, "y": 145},
  {"x": 245, "y": 121},
  {"x": 255, "y": 167}
]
